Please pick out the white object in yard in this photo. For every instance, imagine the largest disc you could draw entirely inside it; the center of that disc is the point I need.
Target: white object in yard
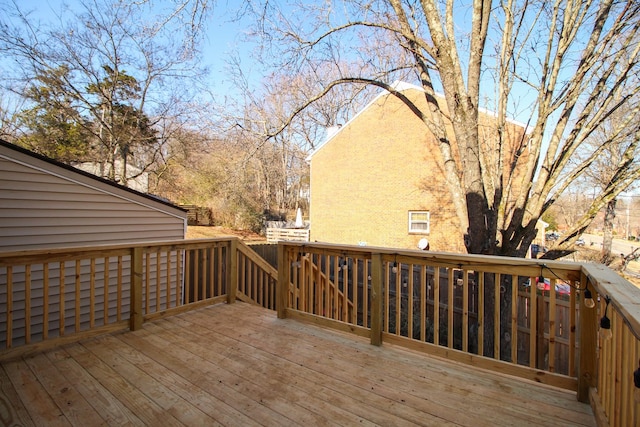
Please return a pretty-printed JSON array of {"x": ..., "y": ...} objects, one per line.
[{"x": 299, "y": 223}]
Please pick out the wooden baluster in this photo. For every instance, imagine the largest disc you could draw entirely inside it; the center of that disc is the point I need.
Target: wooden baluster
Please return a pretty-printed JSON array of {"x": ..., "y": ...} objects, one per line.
[
  {"x": 169, "y": 259},
  {"x": 62, "y": 297},
  {"x": 533, "y": 321},
  {"x": 147, "y": 282},
  {"x": 514, "y": 319},
  {"x": 211, "y": 276},
  {"x": 202, "y": 262},
  {"x": 105, "y": 285},
  {"x": 450, "y": 307},
  {"x": 9, "y": 342},
  {"x": 345, "y": 290},
  {"x": 119, "y": 290},
  {"x": 180, "y": 261},
  {"x": 92, "y": 293},
  {"x": 481, "y": 313},
  {"x": 552, "y": 327},
  {"x": 354, "y": 291},
  {"x": 27, "y": 304},
  {"x": 423, "y": 302},
  {"x": 328, "y": 306},
  {"x": 336, "y": 294},
  {"x": 220, "y": 250},
  {"x": 158, "y": 283},
  {"x": 410, "y": 302},
  {"x": 282, "y": 290},
  {"x": 398, "y": 313},
  {"x": 436, "y": 305},
  {"x": 497, "y": 279},
  {"x": 365, "y": 293},
  {"x": 77, "y": 296},
  {"x": 387, "y": 293},
  {"x": 573, "y": 314},
  {"x": 232, "y": 271},
  {"x": 465, "y": 310},
  {"x": 45, "y": 301}
]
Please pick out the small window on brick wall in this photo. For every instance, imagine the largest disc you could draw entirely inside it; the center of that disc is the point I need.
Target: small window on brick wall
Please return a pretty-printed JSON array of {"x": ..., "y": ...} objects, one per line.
[{"x": 419, "y": 222}]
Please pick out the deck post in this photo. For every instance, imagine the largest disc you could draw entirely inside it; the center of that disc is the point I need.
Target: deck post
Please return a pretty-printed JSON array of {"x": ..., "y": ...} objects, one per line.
[
  {"x": 136, "y": 318},
  {"x": 282, "y": 288},
  {"x": 541, "y": 344},
  {"x": 376, "y": 298},
  {"x": 232, "y": 271},
  {"x": 587, "y": 363}
]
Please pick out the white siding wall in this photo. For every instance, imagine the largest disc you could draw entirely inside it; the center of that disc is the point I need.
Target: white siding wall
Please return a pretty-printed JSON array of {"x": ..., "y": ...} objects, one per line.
[
  {"x": 43, "y": 205},
  {"x": 54, "y": 207}
]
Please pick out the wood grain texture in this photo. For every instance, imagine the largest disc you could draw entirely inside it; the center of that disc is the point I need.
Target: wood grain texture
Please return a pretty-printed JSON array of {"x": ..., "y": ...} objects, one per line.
[{"x": 239, "y": 364}]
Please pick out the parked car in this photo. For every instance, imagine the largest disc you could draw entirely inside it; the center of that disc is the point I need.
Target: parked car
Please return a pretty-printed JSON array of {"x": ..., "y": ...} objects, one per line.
[
  {"x": 552, "y": 235},
  {"x": 580, "y": 242},
  {"x": 537, "y": 249},
  {"x": 562, "y": 288}
]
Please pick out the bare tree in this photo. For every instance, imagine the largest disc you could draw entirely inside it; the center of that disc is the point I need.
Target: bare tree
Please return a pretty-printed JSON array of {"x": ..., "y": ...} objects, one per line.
[
  {"x": 277, "y": 145},
  {"x": 616, "y": 137},
  {"x": 562, "y": 68},
  {"x": 121, "y": 66}
]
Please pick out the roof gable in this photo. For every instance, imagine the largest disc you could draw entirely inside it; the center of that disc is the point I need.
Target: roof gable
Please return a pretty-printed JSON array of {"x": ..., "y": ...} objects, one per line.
[
  {"x": 50, "y": 166},
  {"x": 399, "y": 86}
]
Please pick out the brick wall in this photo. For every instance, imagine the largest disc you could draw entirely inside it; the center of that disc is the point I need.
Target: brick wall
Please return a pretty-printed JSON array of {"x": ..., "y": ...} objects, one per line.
[{"x": 378, "y": 167}]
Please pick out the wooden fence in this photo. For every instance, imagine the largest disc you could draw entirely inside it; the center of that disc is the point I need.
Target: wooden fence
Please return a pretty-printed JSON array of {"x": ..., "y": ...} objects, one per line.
[
  {"x": 473, "y": 309},
  {"x": 267, "y": 251},
  {"x": 275, "y": 235}
]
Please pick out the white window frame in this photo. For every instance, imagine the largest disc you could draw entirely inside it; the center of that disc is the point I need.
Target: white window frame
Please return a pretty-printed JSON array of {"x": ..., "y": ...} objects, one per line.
[{"x": 412, "y": 222}]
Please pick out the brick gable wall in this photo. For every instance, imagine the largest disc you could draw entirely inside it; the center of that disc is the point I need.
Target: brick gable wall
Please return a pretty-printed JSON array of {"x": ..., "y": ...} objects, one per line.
[
  {"x": 368, "y": 177},
  {"x": 385, "y": 163}
]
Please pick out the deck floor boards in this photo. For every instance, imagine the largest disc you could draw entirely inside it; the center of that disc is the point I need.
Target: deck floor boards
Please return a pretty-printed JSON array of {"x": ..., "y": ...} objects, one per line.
[{"x": 238, "y": 365}]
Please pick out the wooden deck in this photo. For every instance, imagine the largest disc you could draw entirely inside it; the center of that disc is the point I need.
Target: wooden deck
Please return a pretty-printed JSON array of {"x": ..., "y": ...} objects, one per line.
[{"x": 239, "y": 365}]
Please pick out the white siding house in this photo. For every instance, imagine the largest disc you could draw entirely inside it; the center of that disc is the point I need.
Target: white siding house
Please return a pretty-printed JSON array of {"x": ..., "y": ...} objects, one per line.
[{"x": 46, "y": 204}]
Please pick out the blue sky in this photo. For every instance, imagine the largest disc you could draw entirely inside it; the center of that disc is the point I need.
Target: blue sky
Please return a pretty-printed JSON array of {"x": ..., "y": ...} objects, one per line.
[{"x": 223, "y": 38}]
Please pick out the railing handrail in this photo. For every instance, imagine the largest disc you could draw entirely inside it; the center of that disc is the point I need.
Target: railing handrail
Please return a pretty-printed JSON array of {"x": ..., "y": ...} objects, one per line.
[
  {"x": 564, "y": 270},
  {"x": 624, "y": 295},
  {"x": 257, "y": 259},
  {"x": 72, "y": 252}
]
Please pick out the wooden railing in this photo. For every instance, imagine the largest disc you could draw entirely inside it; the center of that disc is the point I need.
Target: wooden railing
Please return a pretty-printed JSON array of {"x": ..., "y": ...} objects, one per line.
[
  {"x": 60, "y": 295},
  {"x": 474, "y": 309},
  {"x": 612, "y": 392},
  {"x": 478, "y": 310}
]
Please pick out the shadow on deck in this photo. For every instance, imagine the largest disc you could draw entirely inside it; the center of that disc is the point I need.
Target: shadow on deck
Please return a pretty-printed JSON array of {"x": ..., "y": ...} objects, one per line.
[{"x": 238, "y": 364}]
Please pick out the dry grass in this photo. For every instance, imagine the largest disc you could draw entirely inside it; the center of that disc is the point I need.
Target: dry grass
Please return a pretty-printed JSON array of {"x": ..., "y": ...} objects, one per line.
[{"x": 202, "y": 232}]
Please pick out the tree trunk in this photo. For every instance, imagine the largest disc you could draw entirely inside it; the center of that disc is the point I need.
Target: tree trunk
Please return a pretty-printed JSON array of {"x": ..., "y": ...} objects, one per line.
[
  {"x": 607, "y": 237},
  {"x": 481, "y": 225}
]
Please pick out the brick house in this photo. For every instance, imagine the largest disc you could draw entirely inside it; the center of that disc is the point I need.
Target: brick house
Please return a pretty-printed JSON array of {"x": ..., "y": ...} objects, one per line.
[{"x": 378, "y": 180}]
